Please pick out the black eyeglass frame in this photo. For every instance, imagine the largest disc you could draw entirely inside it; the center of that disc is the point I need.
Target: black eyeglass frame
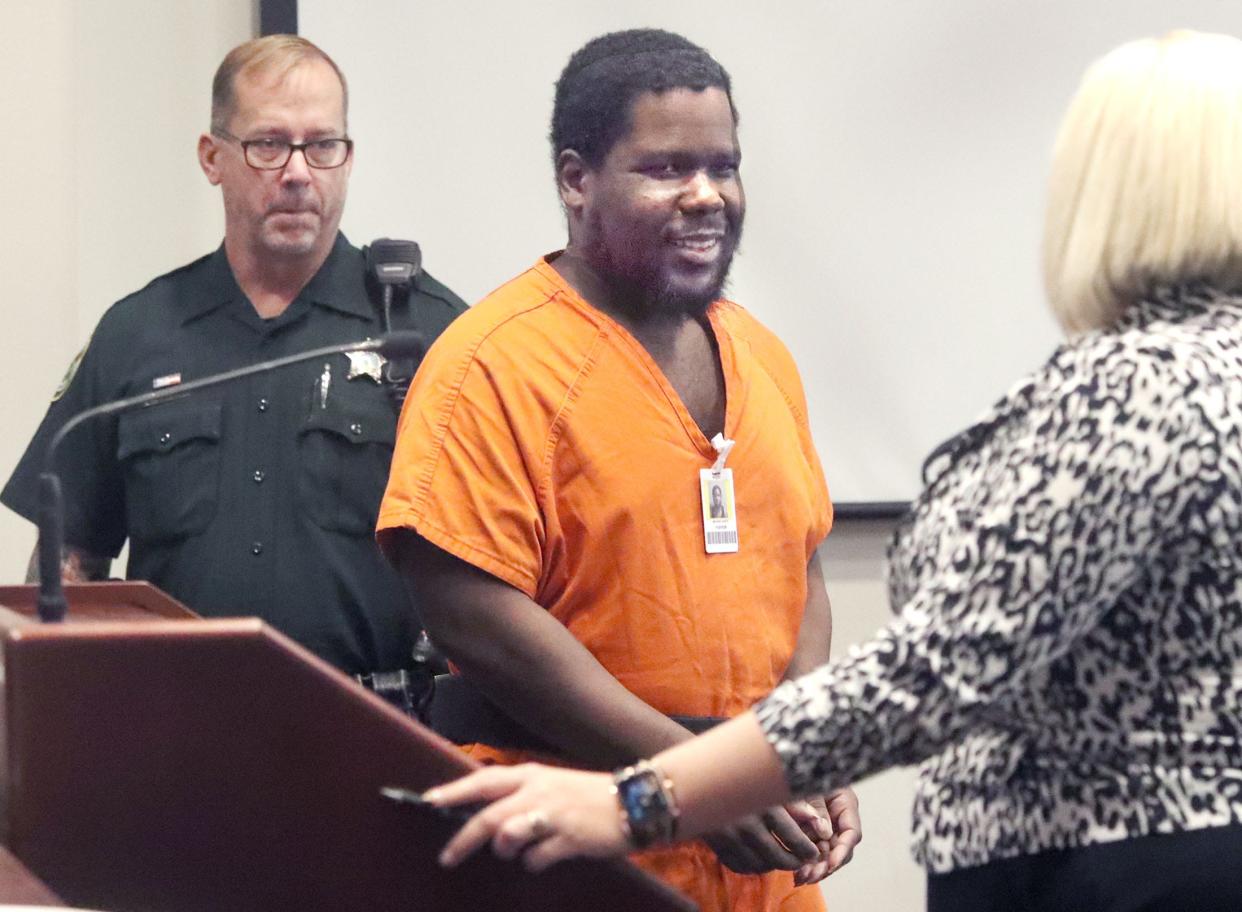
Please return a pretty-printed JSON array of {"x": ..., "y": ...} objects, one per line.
[{"x": 290, "y": 148}]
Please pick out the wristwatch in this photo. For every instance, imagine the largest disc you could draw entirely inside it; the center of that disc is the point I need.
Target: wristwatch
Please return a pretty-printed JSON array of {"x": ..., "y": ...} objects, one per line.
[{"x": 647, "y": 803}]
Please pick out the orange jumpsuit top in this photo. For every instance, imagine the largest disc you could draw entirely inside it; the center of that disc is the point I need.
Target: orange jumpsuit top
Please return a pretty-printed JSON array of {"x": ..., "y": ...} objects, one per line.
[{"x": 541, "y": 443}]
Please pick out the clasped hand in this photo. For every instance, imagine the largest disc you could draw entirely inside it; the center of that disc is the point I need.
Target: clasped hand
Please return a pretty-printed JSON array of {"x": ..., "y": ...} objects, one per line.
[{"x": 802, "y": 836}]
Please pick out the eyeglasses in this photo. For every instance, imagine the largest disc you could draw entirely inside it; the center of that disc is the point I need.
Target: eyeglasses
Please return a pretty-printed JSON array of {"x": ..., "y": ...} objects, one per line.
[{"x": 274, "y": 154}]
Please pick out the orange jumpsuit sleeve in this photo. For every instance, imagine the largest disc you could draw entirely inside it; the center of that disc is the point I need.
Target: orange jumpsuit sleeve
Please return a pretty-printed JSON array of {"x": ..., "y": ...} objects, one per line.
[{"x": 465, "y": 473}]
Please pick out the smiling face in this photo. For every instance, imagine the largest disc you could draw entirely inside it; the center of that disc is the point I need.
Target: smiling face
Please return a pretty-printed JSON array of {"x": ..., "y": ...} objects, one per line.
[
  {"x": 293, "y": 212},
  {"x": 659, "y": 220}
]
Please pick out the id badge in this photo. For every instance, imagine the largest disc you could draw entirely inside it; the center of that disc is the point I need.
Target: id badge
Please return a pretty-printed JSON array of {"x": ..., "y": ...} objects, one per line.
[{"x": 719, "y": 510}]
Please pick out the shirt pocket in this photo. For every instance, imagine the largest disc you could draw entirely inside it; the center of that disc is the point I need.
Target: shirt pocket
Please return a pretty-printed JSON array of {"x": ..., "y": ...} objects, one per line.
[
  {"x": 345, "y": 450},
  {"x": 170, "y": 455}
]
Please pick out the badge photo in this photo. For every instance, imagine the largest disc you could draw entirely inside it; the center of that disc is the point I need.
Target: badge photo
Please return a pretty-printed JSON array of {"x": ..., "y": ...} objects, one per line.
[{"x": 719, "y": 510}]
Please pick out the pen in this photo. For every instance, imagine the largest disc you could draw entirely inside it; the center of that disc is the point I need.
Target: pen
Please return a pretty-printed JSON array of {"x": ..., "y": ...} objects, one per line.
[{"x": 456, "y": 814}]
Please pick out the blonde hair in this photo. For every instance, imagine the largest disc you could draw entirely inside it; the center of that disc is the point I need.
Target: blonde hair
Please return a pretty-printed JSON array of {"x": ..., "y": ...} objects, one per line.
[
  {"x": 271, "y": 53},
  {"x": 1146, "y": 181}
]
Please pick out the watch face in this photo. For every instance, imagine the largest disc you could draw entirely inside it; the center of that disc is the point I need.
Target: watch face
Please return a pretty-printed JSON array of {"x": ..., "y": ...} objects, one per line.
[
  {"x": 642, "y": 798},
  {"x": 646, "y": 804}
]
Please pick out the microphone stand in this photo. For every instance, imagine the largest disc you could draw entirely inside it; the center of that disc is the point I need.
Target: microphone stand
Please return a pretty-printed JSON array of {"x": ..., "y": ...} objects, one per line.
[{"x": 52, "y": 604}]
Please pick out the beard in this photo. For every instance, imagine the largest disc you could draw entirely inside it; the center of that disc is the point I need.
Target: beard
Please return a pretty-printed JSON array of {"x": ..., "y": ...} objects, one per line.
[
  {"x": 642, "y": 287},
  {"x": 692, "y": 302}
]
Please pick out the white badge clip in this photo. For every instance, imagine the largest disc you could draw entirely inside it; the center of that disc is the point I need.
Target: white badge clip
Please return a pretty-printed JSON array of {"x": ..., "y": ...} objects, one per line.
[{"x": 718, "y": 503}]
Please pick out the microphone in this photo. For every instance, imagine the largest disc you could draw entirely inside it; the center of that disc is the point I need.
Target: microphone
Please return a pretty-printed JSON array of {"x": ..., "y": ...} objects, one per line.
[
  {"x": 400, "y": 343},
  {"x": 393, "y": 264},
  {"x": 52, "y": 605}
]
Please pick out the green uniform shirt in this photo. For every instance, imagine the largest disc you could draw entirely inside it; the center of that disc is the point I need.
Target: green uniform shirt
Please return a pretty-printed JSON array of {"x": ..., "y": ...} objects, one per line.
[{"x": 257, "y": 497}]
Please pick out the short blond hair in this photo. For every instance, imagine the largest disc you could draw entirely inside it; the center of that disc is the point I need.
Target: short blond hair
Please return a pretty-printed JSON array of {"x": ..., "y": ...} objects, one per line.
[
  {"x": 1146, "y": 180},
  {"x": 277, "y": 54}
]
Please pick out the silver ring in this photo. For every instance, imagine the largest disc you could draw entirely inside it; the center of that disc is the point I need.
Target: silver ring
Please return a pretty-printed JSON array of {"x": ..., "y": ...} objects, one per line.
[{"x": 540, "y": 824}]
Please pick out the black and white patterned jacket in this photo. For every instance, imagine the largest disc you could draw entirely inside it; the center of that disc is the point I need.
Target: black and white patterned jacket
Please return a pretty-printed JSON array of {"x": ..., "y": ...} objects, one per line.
[{"x": 1066, "y": 663}]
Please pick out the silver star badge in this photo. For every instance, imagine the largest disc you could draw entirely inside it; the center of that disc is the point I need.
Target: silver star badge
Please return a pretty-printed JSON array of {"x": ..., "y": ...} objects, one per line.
[{"x": 366, "y": 364}]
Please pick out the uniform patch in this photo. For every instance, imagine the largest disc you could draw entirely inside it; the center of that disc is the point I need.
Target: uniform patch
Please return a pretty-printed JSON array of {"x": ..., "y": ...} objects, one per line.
[{"x": 69, "y": 374}]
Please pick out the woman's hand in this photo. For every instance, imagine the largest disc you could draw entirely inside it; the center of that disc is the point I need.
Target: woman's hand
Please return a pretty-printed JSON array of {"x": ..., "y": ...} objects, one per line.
[{"x": 543, "y": 814}]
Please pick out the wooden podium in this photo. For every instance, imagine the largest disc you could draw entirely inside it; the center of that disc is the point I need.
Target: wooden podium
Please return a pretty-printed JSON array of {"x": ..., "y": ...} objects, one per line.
[
  {"x": 185, "y": 765},
  {"x": 114, "y": 600}
]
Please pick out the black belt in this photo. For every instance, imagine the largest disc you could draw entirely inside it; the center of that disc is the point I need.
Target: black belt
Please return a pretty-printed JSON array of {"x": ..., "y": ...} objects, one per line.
[
  {"x": 407, "y": 689},
  {"x": 460, "y": 713}
]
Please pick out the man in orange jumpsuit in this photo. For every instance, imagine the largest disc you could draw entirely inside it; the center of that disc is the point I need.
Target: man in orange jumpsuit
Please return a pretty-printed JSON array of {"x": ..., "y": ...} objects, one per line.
[{"x": 550, "y": 502}]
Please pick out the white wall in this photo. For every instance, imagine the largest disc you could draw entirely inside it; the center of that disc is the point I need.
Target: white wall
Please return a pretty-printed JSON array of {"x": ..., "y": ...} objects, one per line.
[
  {"x": 894, "y": 159},
  {"x": 38, "y": 275},
  {"x": 101, "y": 108}
]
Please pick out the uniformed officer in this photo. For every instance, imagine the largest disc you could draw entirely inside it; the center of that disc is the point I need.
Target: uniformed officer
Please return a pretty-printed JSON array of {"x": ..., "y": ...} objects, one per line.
[{"x": 259, "y": 496}]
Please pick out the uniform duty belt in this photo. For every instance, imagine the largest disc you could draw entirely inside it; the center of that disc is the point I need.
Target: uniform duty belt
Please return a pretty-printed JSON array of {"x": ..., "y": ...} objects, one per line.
[{"x": 460, "y": 713}]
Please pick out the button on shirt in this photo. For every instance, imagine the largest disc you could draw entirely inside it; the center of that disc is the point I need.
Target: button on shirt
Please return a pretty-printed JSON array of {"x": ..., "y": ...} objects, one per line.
[{"x": 256, "y": 497}]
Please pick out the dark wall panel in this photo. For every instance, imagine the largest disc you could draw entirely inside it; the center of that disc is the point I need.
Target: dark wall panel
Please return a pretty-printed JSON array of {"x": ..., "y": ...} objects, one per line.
[{"x": 277, "y": 17}]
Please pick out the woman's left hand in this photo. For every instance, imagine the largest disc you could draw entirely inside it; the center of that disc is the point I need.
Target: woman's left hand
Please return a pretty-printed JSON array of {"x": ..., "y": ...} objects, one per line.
[{"x": 542, "y": 813}]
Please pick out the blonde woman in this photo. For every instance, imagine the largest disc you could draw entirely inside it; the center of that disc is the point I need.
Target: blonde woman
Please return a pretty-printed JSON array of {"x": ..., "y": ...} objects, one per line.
[{"x": 1066, "y": 662}]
